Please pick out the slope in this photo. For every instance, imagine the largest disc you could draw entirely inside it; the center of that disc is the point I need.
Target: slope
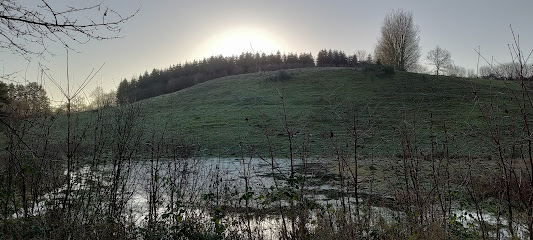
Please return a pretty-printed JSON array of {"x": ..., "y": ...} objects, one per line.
[{"x": 246, "y": 113}]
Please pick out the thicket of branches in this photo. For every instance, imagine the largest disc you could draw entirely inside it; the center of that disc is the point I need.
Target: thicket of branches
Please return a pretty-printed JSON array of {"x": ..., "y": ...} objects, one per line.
[{"x": 28, "y": 28}]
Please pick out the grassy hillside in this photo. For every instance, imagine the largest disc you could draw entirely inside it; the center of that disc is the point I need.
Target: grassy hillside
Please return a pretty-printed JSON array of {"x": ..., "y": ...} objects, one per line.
[{"x": 320, "y": 103}]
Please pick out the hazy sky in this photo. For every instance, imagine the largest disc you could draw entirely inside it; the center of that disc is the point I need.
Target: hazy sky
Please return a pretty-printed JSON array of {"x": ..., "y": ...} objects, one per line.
[{"x": 166, "y": 32}]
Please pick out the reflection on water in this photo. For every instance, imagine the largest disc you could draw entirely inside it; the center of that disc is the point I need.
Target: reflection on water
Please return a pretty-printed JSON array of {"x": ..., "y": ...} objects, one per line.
[{"x": 191, "y": 188}]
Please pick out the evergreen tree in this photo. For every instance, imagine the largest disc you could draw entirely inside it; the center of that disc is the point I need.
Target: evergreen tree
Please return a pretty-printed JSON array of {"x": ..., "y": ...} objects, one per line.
[
  {"x": 322, "y": 58},
  {"x": 123, "y": 91}
]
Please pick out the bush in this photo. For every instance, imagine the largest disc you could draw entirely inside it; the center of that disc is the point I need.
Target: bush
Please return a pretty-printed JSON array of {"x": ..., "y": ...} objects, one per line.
[
  {"x": 280, "y": 76},
  {"x": 379, "y": 70}
]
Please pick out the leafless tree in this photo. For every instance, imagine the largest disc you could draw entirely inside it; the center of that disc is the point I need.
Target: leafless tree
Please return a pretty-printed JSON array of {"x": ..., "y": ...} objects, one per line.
[
  {"x": 471, "y": 73},
  {"x": 440, "y": 58},
  {"x": 457, "y": 71},
  {"x": 419, "y": 68},
  {"x": 102, "y": 99},
  {"x": 398, "y": 45},
  {"x": 509, "y": 70},
  {"x": 361, "y": 55},
  {"x": 27, "y": 28}
]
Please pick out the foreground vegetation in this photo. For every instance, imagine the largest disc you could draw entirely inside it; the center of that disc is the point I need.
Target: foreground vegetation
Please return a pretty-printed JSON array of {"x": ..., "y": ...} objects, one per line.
[{"x": 428, "y": 148}]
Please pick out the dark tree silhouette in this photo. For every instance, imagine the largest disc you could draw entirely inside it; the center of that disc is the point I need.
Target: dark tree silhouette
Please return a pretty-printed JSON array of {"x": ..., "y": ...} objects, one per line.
[
  {"x": 28, "y": 100},
  {"x": 333, "y": 58},
  {"x": 3, "y": 93}
]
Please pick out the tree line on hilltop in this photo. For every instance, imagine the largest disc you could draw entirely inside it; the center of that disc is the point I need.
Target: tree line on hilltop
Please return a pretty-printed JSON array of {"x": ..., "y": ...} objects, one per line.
[{"x": 181, "y": 76}]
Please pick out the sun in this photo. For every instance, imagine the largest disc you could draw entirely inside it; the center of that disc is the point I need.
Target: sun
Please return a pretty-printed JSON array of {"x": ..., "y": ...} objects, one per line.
[{"x": 237, "y": 41}]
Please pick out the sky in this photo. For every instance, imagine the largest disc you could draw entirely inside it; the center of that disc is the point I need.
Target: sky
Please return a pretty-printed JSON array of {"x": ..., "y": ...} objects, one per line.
[{"x": 167, "y": 32}]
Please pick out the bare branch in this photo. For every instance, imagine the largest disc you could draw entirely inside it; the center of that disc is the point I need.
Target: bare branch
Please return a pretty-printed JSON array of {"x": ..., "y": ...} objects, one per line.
[{"x": 25, "y": 30}]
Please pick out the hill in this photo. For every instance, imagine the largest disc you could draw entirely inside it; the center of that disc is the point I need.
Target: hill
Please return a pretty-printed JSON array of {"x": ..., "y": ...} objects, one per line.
[{"x": 223, "y": 114}]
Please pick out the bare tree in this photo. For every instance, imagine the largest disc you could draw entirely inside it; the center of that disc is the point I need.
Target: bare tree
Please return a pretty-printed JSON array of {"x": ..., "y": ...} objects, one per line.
[
  {"x": 27, "y": 28},
  {"x": 102, "y": 99},
  {"x": 457, "y": 71},
  {"x": 471, "y": 73},
  {"x": 440, "y": 58},
  {"x": 361, "y": 55},
  {"x": 75, "y": 104},
  {"x": 398, "y": 45},
  {"x": 419, "y": 68}
]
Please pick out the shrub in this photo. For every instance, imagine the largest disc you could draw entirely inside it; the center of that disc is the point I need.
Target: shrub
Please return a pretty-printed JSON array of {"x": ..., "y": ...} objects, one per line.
[
  {"x": 379, "y": 70},
  {"x": 280, "y": 76}
]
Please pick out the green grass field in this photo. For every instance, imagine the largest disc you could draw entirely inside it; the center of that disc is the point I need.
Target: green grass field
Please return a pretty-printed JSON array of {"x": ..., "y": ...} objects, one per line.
[{"x": 223, "y": 114}]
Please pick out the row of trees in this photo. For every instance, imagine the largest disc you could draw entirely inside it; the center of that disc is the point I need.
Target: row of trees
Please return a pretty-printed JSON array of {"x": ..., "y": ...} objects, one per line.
[
  {"x": 97, "y": 99},
  {"x": 25, "y": 100},
  {"x": 181, "y": 76},
  {"x": 506, "y": 71},
  {"x": 335, "y": 58},
  {"x": 31, "y": 99},
  {"x": 185, "y": 75},
  {"x": 398, "y": 46},
  {"x": 443, "y": 64}
]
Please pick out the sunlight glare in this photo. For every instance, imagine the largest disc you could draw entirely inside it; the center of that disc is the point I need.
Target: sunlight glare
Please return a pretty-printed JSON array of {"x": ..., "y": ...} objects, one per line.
[{"x": 238, "y": 41}]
